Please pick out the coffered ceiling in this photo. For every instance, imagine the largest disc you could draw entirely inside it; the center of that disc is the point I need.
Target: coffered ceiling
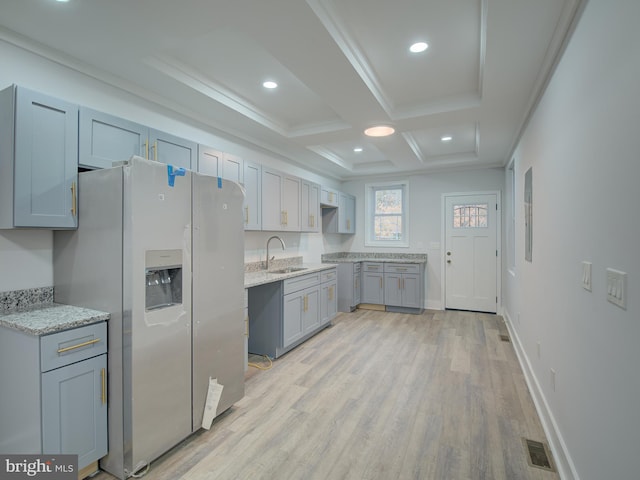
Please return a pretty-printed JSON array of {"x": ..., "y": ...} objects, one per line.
[{"x": 341, "y": 66}]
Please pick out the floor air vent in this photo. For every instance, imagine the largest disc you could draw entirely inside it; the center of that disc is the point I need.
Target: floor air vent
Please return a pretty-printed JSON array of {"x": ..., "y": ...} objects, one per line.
[
  {"x": 505, "y": 338},
  {"x": 538, "y": 455}
]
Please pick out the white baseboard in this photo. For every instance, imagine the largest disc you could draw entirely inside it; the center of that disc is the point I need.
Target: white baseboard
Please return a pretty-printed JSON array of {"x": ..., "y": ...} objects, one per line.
[
  {"x": 434, "y": 305},
  {"x": 564, "y": 464}
]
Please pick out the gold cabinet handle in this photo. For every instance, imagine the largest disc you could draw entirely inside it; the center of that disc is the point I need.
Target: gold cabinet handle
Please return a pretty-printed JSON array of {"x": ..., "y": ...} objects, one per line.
[
  {"x": 286, "y": 218},
  {"x": 246, "y": 326},
  {"x": 79, "y": 345},
  {"x": 155, "y": 150},
  {"x": 146, "y": 149},
  {"x": 348, "y": 224},
  {"x": 305, "y": 303},
  {"x": 380, "y": 282},
  {"x": 246, "y": 210},
  {"x": 103, "y": 378},
  {"x": 74, "y": 205},
  {"x": 399, "y": 287}
]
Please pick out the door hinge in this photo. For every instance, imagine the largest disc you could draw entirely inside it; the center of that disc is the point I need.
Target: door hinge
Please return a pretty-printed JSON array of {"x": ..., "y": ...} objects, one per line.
[
  {"x": 496, "y": 299},
  {"x": 496, "y": 206},
  {"x": 496, "y": 253}
]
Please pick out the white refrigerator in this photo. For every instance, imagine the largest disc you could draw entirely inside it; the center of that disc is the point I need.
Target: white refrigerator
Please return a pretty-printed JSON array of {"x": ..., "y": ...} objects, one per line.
[{"x": 161, "y": 250}]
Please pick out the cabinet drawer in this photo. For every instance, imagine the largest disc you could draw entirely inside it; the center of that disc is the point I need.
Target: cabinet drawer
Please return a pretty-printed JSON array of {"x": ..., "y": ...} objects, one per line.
[
  {"x": 303, "y": 281},
  {"x": 373, "y": 267},
  {"x": 401, "y": 268},
  {"x": 328, "y": 275},
  {"x": 69, "y": 346}
]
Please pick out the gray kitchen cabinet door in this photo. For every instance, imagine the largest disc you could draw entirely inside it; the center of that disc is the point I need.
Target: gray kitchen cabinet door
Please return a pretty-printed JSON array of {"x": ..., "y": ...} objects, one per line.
[
  {"x": 310, "y": 204},
  {"x": 232, "y": 168},
  {"x": 74, "y": 410},
  {"x": 272, "y": 208},
  {"x": 347, "y": 213},
  {"x": 253, "y": 196},
  {"x": 310, "y": 309},
  {"x": 105, "y": 139},
  {"x": 209, "y": 161},
  {"x": 328, "y": 302},
  {"x": 393, "y": 289},
  {"x": 411, "y": 294},
  {"x": 372, "y": 287},
  {"x": 46, "y": 161},
  {"x": 292, "y": 318},
  {"x": 172, "y": 150}
]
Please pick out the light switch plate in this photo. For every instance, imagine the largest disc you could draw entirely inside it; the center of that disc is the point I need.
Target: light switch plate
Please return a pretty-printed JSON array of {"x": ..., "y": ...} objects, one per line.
[
  {"x": 586, "y": 275},
  {"x": 617, "y": 287}
]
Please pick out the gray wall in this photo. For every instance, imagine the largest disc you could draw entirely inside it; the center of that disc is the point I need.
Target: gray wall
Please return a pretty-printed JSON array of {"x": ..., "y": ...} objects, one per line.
[{"x": 583, "y": 143}]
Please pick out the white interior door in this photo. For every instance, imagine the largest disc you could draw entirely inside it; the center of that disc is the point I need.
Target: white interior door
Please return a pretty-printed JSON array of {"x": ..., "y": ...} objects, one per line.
[{"x": 471, "y": 252}]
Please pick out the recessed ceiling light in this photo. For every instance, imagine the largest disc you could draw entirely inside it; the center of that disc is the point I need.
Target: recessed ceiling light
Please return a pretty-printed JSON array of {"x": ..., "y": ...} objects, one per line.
[
  {"x": 357, "y": 149},
  {"x": 446, "y": 138},
  {"x": 418, "y": 47},
  {"x": 62, "y": 1},
  {"x": 379, "y": 131},
  {"x": 270, "y": 84}
]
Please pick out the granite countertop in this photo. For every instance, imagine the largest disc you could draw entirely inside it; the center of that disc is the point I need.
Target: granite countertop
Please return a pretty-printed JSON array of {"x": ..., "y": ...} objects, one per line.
[
  {"x": 349, "y": 257},
  {"x": 255, "y": 278},
  {"x": 47, "y": 318}
]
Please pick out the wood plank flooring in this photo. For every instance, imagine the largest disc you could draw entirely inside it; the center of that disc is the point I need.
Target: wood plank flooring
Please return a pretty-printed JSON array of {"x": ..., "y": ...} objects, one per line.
[{"x": 376, "y": 396}]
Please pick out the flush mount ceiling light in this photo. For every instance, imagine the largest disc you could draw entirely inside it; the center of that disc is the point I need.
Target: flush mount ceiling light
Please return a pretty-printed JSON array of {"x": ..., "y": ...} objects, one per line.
[
  {"x": 379, "y": 131},
  {"x": 270, "y": 84},
  {"x": 446, "y": 138},
  {"x": 418, "y": 47},
  {"x": 357, "y": 149}
]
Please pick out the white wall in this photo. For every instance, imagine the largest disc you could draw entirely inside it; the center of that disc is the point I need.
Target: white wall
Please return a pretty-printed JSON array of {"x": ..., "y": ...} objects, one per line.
[
  {"x": 583, "y": 144},
  {"x": 26, "y": 255},
  {"x": 425, "y": 216}
]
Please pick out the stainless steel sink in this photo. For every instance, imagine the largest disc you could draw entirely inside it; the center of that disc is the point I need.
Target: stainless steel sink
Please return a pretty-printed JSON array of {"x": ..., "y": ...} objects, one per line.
[{"x": 289, "y": 270}]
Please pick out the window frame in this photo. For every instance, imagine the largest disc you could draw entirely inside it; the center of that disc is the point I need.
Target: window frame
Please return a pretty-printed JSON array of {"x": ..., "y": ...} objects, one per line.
[{"x": 370, "y": 214}]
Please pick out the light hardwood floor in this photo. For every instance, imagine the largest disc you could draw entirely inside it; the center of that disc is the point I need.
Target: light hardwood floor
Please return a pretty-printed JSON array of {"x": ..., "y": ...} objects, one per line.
[{"x": 376, "y": 396}]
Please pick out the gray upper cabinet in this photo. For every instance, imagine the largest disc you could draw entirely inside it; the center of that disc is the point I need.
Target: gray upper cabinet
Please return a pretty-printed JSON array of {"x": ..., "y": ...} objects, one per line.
[
  {"x": 105, "y": 139},
  {"x": 169, "y": 149},
  {"x": 310, "y": 205},
  {"x": 38, "y": 160},
  {"x": 209, "y": 161},
  {"x": 347, "y": 213},
  {"x": 218, "y": 164},
  {"x": 253, "y": 196},
  {"x": 232, "y": 168}
]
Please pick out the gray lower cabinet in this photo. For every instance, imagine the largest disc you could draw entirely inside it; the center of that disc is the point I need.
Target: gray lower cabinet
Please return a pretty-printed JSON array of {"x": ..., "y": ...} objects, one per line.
[
  {"x": 404, "y": 287},
  {"x": 349, "y": 291},
  {"x": 283, "y": 314},
  {"x": 74, "y": 410},
  {"x": 373, "y": 283},
  {"x": 328, "y": 296},
  {"x": 38, "y": 160},
  {"x": 58, "y": 400}
]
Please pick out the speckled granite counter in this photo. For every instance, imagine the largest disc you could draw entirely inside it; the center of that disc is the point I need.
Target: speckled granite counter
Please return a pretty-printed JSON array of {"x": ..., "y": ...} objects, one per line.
[
  {"x": 255, "y": 278},
  {"x": 346, "y": 257},
  {"x": 33, "y": 312}
]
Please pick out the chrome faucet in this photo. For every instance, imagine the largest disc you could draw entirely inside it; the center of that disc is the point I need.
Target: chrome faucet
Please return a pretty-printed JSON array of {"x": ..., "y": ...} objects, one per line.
[{"x": 271, "y": 238}]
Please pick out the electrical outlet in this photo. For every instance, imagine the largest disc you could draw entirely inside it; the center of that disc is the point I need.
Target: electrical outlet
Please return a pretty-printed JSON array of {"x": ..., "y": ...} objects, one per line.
[
  {"x": 553, "y": 380},
  {"x": 586, "y": 275},
  {"x": 616, "y": 287}
]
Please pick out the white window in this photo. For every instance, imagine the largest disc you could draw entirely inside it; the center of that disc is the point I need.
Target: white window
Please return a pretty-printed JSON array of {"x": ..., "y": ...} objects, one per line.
[{"x": 387, "y": 214}]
